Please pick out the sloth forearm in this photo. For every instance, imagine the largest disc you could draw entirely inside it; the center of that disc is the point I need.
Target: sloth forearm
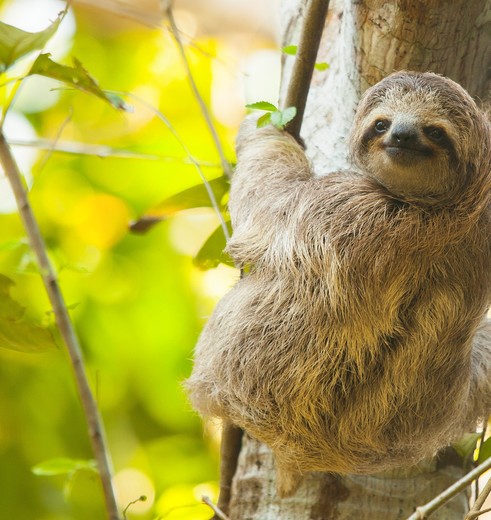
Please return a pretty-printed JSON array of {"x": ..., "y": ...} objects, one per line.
[{"x": 271, "y": 167}]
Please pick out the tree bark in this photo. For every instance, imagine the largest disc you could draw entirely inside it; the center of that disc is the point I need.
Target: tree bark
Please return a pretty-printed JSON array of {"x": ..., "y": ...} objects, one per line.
[{"x": 364, "y": 41}]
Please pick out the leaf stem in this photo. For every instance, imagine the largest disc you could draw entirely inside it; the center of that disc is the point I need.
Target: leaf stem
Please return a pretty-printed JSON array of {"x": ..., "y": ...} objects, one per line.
[{"x": 94, "y": 421}]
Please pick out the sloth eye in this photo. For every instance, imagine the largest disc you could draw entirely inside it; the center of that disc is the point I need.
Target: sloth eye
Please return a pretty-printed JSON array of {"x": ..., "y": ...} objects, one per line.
[
  {"x": 380, "y": 126},
  {"x": 435, "y": 134}
]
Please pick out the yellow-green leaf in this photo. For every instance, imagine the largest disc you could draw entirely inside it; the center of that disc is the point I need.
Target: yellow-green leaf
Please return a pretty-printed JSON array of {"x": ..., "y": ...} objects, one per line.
[
  {"x": 264, "y": 120},
  {"x": 280, "y": 118},
  {"x": 15, "y": 43},
  {"x": 262, "y": 105},
  {"x": 484, "y": 451},
  {"x": 63, "y": 466},
  {"x": 466, "y": 445},
  {"x": 290, "y": 49},
  {"x": 17, "y": 333},
  {"x": 76, "y": 77},
  {"x": 211, "y": 253},
  {"x": 194, "y": 197}
]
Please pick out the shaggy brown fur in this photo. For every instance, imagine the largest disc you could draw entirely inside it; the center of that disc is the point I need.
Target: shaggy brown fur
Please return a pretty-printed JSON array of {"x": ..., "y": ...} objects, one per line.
[{"x": 356, "y": 344}]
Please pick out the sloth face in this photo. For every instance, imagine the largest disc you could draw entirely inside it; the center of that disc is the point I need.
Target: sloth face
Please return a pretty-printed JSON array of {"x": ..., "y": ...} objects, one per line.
[
  {"x": 415, "y": 134},
  {"x": 408, "y": 153}
]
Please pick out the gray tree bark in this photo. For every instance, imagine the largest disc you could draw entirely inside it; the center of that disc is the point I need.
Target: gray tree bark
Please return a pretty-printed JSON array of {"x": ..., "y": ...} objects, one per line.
[{"x": 364, "y": 41}]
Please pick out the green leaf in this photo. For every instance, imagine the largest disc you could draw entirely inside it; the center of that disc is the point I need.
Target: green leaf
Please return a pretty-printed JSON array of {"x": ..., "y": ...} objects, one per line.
[
  {"x": 262, "y": 105},
  {"x": 16, "y": 333},
  {"x": 63, "y": 466},
  {"x": 264, "y": 120},
  {"x": 290, "y": 49},
  {"x": 15, "y": 43},
  {"x": 322, "y": 65},
  {"x": 466, "y": 445},
  {"x": 194, "y": 197},
  {"x": 75, "y": 76},
  {"x": 211, "y": 253},
  {"x": 11, "y": 245},
  {"x": 281, "y": 117},
  {"x": 484, "y": 450}
]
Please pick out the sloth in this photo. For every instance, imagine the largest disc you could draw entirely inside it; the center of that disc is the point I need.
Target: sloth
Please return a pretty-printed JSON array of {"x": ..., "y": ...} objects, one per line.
[{"x": 358, "y": 342}]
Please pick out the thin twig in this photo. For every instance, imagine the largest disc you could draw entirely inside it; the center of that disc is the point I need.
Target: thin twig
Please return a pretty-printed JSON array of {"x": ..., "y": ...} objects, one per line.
[
  {"x": 475, "y": 509},
  {"x": 303, "y": 68},
  {"x": 477, "y": 513},
  {"x": 94, "y": 421},
  {"x": 481, "y": 442},
  {"x": 11, "y": 99},
  {"x": 218, "y": 512},
  {"x": 167, "y": 8},
  {"x": 102, "y": 151},
  {"x": 141, "y": 498},
  {"x": 428, "y": 508},
  {"x": 57, "y": 138}
]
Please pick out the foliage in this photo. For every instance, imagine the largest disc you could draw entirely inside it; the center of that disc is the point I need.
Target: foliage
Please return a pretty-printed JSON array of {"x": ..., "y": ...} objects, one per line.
[
  {"x": 75, "y": 76},
  {"x": 138, "y": 301},
  {"x": 275, "y": 116},
  {"x": 16, "y": 43}
]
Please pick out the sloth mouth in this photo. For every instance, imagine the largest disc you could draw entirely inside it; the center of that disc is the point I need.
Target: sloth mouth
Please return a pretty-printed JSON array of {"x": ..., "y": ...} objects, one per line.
[
  {"x": 393, "y": 149},
  {"x": 407, "y": 154}
]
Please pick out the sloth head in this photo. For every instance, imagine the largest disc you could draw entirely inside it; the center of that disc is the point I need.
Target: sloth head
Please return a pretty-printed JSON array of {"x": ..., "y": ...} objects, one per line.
[{"x": 421, "y": 136}]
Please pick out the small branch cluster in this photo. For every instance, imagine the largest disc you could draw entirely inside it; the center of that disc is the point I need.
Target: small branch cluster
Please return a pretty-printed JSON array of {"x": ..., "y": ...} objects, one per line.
[{"x": 424, "y": 511}]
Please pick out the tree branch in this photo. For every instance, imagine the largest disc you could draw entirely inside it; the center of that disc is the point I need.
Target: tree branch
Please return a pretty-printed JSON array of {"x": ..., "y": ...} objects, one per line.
[
  {"x": 303, "y": 68},
  {"x": 428, "y": 508},
  {"x": 94, "y": 422}
]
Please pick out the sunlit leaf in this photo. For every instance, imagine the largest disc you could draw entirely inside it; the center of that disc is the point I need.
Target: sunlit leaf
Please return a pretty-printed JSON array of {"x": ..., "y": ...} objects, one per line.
[
  {"x": 262, "y": 105},
  {"x": 75, "y": 76},
  {"x": 63, "y": 466},
  {"x": 194, "y": 197},
  {"x": 16, "y": 333},
  {"x": 11, "y": 245},
  {"x": 15, "y": 43},
  {"x": 321, "y": 65},
  {"x": 281, "y": 117},
  {"x": 290, "y": 49},
  {"x": 466, "y": 445},
  {"x": 484, "y": 450},
  {"x": 264, "y": 120},
  {"x": 211, "y": 253}
]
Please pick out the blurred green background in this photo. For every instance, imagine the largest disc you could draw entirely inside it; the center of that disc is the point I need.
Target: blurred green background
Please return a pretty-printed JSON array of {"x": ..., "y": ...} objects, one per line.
[{"x": 138, "y": 301}]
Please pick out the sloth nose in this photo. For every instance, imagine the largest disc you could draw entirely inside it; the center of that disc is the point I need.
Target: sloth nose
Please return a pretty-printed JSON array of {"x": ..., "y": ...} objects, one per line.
[{"x": 403, "y": 134}]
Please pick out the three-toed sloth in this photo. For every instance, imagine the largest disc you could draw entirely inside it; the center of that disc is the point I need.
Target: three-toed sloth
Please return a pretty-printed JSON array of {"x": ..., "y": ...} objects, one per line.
[{"x": 358, "y": 342}]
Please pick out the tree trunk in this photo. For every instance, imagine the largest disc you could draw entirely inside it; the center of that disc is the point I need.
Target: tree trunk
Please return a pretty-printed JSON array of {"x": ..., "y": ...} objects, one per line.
[{"x": 364, "y": 41}]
